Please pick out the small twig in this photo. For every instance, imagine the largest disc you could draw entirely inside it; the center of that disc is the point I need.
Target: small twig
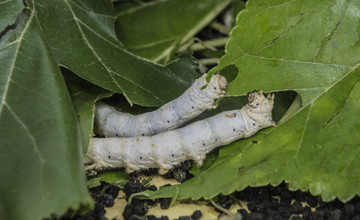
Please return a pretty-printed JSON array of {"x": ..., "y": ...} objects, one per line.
[
  {"x": 210, "y": 44},
  {"x": 188, "y": 44},
  {"x": 220, "y": 27},
  {"x": 209, "y": 61},
  {"x": 202, "y": 45},
  {"x": 221, "y": 208}
]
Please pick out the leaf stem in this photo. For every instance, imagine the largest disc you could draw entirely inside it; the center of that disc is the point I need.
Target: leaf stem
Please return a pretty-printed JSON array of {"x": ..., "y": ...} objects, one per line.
[
  {"x": 202, "y": 45},
  {"x": 220, "y": 27},
  {"x": 210, "y": 44},
  {"x": 209, "y": 61},
  {"x": 221, "y": 208}
]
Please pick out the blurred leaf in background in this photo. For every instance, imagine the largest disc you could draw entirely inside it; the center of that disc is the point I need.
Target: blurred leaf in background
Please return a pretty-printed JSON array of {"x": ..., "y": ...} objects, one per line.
[{"x": 154, "y": 30}]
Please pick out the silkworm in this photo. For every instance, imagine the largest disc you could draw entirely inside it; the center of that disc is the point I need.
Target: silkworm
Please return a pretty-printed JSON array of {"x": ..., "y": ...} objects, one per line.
[
  {"x": 194, "y": 141},
  {"x": 195, "y": 100}
]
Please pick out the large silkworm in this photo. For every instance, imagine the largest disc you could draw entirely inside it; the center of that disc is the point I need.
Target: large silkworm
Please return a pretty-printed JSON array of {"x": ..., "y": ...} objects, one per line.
[
  {"x": 194, "y": 141},
  {"x": 195, "y": 100}
]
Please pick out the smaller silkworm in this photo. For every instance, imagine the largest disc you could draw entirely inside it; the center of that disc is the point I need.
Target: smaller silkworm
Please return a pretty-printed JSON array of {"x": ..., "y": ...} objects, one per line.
[
  {"x": 194, "y": 141},
  {"x": 195, "y": 100}
]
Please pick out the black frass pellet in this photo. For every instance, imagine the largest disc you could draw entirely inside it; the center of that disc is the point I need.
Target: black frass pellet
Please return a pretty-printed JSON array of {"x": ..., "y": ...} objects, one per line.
[
  {"x": 284, "y": 211},
  {"x": 107, "y": 200},
  {"x": 113, "y": 190},
  {"x": 312, "y": 200},
  {"x": 255, "y": 216},
  {"x": 296, "y": 207},
  {"x": 349, "y": 209},
  {"x": 153, "y": 217},
  {"x": 152, "y": 188},
  {"x": 196, "y": 215},
  {"x": 128, "y": 212},
  {"x": 243, "y": 213},
  {"x": 133, "y": 186},
  {"x": 165, "y": 203}
]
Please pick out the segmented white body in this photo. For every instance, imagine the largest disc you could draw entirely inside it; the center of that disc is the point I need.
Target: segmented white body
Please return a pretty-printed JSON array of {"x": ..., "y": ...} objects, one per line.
[
  {"x": 194, "y": 101},
  {"x": 194, "y": 141}
]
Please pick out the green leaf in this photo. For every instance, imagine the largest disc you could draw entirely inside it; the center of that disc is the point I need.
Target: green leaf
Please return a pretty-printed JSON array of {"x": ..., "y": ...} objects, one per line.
[
  {"x": 312, "y": 48},
  {"x": 84, "y": 95},
  {"x": 117, "y": 177},
  {"x": 154, "y": 30},
  {"x": 9, "y": 9},
  {"x": 40, "y": 153},
  {"x": 81, "y": 37},
  {"x": 185, "y": 67},
  {"x": 237, "y": 6}
]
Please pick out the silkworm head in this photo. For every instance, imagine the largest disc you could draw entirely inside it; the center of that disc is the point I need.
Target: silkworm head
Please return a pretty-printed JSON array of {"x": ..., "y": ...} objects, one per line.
[
  {"x": 260, "y": 108},
  {"x": 251, "y": 96},
  {"x": 258, "y": 101},
  {"x": 222, "y": 82},
  {"x": 218, "y": 83}
]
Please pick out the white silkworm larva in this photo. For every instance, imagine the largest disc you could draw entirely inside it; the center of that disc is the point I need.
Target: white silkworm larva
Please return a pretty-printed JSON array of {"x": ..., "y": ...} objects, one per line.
[
  {"x": 194, "y": 141},
  {"x": 111, "y": 123}
]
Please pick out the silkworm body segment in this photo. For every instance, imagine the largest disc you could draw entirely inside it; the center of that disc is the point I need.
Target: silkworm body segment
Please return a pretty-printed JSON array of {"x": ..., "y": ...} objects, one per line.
[
  {"x": 194, "y": 141},
  {"x": 195, "y": 100}
]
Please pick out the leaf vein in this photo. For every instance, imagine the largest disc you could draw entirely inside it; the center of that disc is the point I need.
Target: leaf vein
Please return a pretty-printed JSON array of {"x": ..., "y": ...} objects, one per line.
[
  {"x": 303, "y": 132},
  {"x": 12, "y": 68},
  {"x": 90, "y": 47},
  {"x": 296, "y": 61},
  {"x": 153, "y": 43},
  {"x": 5, "y": 2},
  {"x": 32, "y": 138},
  {"x": 331, "y": 33},
  {"x": 97, "y": 34},
  {"x": 9, "y": 44},
  {"x": 92, "y": 12}
]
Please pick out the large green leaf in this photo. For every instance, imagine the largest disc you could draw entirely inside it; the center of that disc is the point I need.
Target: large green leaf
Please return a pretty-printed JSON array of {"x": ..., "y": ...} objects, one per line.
[
  {"x": 154, "y": 30},
  {"x": 40, "y": 158},
  {"x": 82, "y": 38},
  {"x": 311, "y": 47},
  {"x": 9, "y": 9}
]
